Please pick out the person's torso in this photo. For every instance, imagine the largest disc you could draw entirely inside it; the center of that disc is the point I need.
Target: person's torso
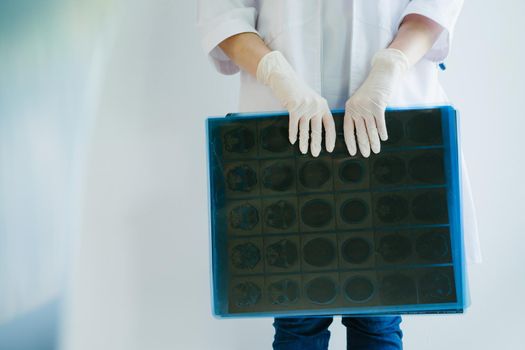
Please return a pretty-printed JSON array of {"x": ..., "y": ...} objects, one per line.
[
  {"x": 319, "y": 48},
  {"x": 336, "y": 22}
]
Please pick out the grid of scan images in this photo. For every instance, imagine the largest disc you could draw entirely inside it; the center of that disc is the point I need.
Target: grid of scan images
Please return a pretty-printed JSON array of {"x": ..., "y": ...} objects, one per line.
[{"x": 296, "y": 234}]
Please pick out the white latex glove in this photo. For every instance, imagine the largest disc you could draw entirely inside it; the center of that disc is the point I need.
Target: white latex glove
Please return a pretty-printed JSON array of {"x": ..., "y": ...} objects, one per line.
[
  {"x": 304, "y": 105},
  {"x": 365, "y": 109}
]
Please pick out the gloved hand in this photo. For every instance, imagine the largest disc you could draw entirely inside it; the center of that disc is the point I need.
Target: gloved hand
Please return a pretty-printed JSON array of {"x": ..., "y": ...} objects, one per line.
[
  {"x": 365, "y": 109},
  {"x": 304, "y": 105}
]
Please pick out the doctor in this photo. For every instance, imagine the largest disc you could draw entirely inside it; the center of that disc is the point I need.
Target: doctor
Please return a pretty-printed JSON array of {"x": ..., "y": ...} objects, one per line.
[{"x": 311, "y": 56}]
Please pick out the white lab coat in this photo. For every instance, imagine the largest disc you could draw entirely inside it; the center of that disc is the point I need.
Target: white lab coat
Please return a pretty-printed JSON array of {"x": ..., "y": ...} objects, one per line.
[{"x": 294, "y": 28}]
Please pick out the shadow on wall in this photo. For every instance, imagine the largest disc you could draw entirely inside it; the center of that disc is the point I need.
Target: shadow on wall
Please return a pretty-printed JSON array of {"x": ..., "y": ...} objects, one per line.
[
  {"x": 35, "y": 330},
  {"x": 49, "y": 71}
]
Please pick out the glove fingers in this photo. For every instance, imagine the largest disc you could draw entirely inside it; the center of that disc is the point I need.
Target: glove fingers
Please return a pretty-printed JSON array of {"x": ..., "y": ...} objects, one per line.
[
  {"x": 381, "y": 125},
  {"x": 349, "y": 134},
  {"x": 317, "y": 136},
  {"x": 362, "y": 137},
  {"x": 304, "y": 130},
  {"x": 373, "y": 136},
  {"x": 293, "y": 125},
  {"x": 329, "y": 131}
]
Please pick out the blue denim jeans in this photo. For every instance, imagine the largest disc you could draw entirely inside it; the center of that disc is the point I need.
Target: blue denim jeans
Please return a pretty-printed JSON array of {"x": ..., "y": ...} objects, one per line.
[{"x": 311, "y": 333}]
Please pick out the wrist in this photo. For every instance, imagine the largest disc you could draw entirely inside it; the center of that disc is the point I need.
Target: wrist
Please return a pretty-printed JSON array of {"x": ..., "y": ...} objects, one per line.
[
  {"x": 275, "y": 72},
  {"x": 391, "y": 59},
  {"x": 273, "y": 65}
]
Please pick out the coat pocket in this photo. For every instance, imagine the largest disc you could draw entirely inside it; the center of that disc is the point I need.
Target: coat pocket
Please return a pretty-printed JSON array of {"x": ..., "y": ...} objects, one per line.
[
  {"x": 383, "y": 14},
  {"x": 276, "y": 16}
]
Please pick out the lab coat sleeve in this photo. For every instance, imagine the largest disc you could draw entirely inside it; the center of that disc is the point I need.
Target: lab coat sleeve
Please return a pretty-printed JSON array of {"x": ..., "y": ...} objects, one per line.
[
  {"x": 218, "y": 20},
  {"x": 445, "y": 13}
]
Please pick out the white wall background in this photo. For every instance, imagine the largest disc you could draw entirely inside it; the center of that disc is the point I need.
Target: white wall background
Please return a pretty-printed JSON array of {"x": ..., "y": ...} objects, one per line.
[{"x": 141, "y": 277}]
